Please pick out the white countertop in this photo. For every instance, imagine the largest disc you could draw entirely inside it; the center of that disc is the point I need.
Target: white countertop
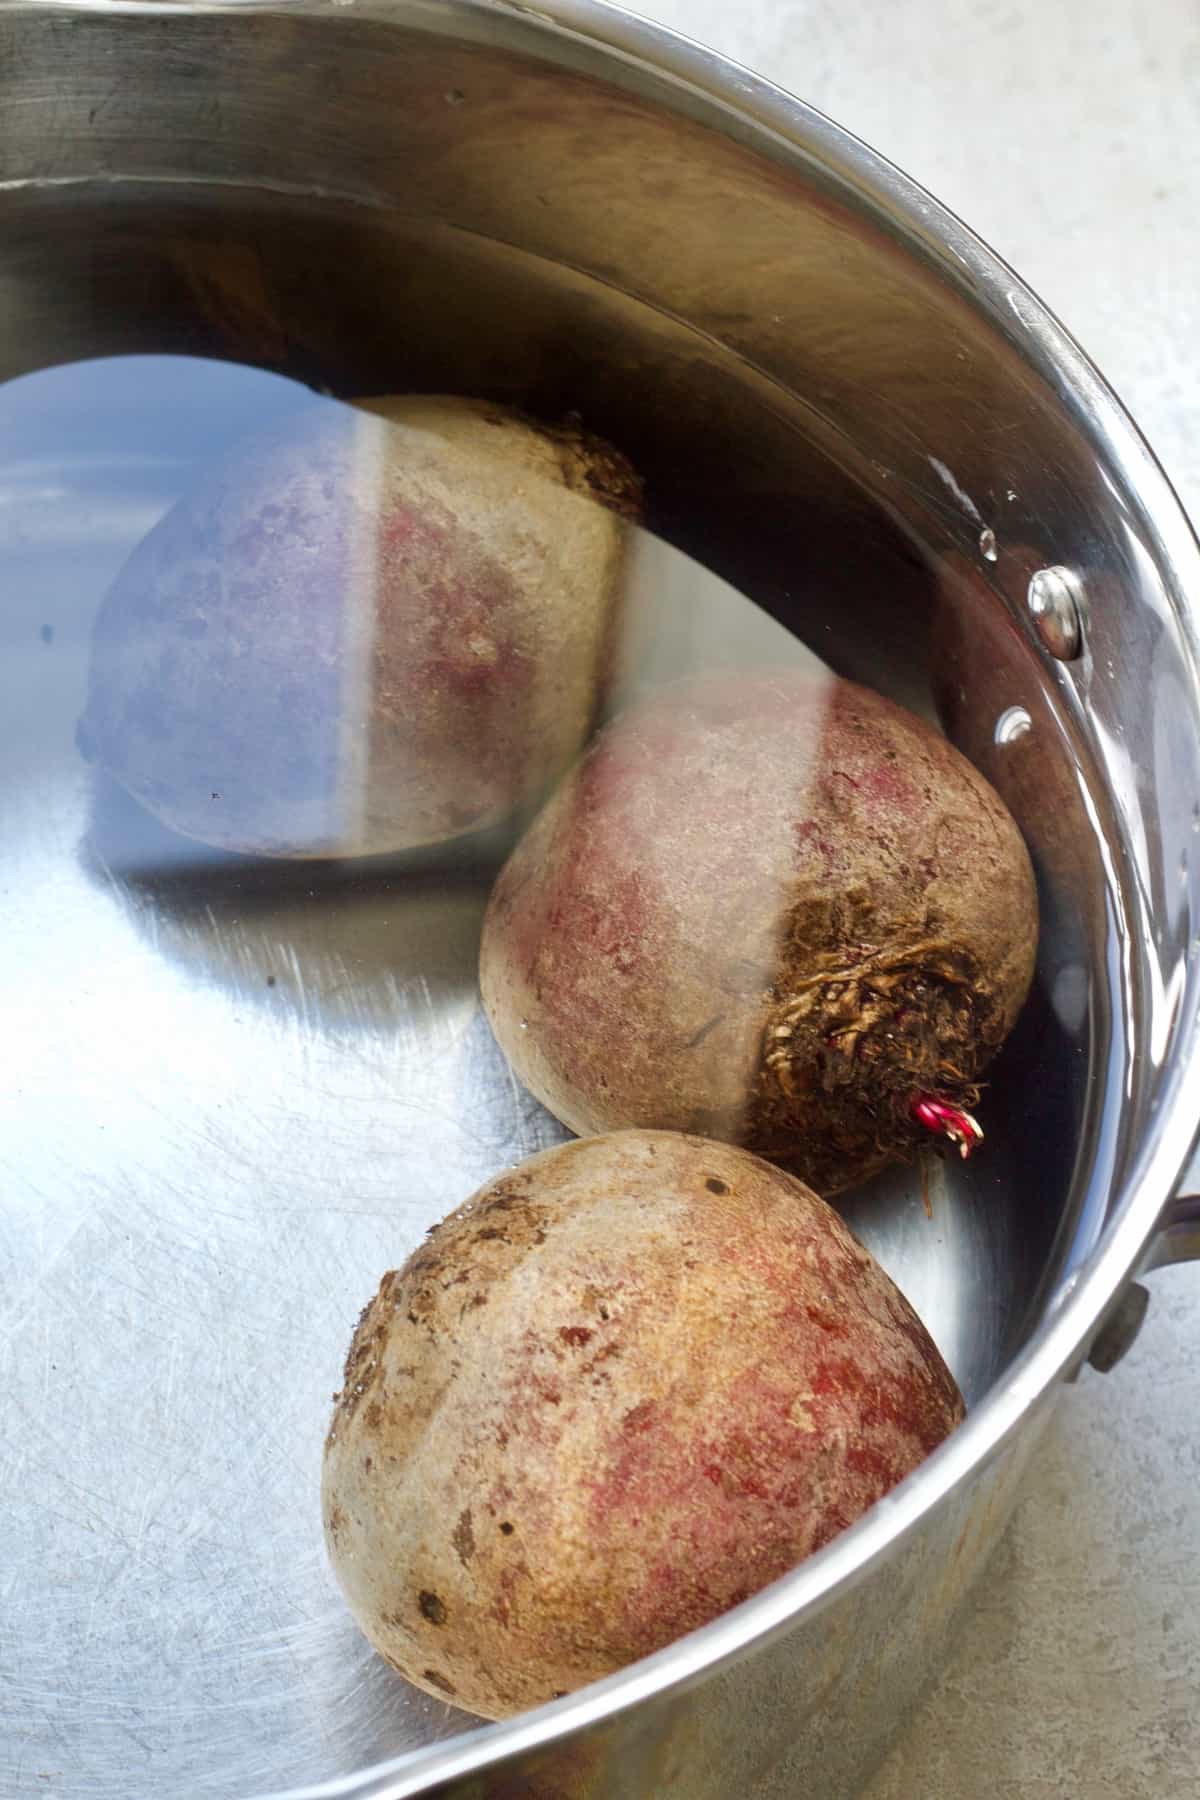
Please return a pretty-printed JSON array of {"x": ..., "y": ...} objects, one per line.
[{"x": 1067, "y": 133}]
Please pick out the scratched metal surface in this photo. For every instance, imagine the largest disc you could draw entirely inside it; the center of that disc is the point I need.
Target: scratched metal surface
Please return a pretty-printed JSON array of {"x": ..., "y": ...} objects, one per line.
[{"x": 232, "y": 1096}]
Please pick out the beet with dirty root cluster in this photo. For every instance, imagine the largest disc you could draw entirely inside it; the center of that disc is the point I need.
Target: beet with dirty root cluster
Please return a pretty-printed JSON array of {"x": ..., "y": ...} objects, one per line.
[{"x": 769, "y": 908}]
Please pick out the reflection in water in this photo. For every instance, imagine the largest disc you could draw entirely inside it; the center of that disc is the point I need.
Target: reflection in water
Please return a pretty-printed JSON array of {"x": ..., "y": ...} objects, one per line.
[
  {"x": 364, "y": 630},
  {"x": 350, "y": 946}
]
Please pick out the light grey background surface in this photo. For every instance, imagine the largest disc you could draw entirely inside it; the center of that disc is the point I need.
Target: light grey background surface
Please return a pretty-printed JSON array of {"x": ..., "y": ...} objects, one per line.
[{"x": 1067, "y": 133}]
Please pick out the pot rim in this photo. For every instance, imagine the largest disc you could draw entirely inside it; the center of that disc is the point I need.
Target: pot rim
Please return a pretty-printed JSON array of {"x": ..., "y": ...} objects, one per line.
[{"x": 797, "y": 133}]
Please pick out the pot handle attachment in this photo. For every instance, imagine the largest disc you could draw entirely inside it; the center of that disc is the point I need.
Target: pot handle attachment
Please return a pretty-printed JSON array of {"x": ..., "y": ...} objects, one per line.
[
  {"x": 1177, "y": 1241},
  {"x": 1178, "y": 1237}
]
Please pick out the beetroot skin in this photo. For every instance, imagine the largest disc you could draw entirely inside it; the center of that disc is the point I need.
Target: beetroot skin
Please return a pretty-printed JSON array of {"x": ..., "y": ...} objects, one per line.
[
  {"x": 369, "y": 629},
  {"x": 769, "y": 908},
  {"x": 619, "y": 1391}
]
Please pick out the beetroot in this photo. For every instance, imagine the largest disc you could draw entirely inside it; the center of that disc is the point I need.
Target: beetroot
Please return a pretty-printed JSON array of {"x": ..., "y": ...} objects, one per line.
[
  {"x": 619, "y": 1391},
  {"x": 372, "y": 628},
  {"x": 770, "y": 908}
]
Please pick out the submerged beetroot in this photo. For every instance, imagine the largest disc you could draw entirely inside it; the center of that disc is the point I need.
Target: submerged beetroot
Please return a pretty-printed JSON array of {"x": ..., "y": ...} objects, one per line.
[
  {"x": 770, "y": 908},
  {"x": 622, "y": 1389},
  {"x": 369, "y": 629}
]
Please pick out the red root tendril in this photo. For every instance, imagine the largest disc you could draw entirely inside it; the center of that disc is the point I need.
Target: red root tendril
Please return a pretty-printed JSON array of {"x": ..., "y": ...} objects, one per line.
[{"x": 948, "y": 1121}]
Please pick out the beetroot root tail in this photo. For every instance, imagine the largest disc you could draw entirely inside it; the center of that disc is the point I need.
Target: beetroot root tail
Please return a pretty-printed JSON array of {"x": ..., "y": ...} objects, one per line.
[{"x": 947, "y": 1121}]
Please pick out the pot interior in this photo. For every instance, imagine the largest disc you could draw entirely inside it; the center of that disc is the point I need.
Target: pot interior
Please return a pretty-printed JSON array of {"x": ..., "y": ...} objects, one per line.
[{"x": 242, "y": 1088}]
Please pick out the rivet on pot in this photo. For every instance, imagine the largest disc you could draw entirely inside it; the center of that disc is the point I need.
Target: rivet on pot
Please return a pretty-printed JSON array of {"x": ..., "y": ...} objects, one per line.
[
  {"x": 1054, "y": 598},
  {"x": 1014, "y": 723}
]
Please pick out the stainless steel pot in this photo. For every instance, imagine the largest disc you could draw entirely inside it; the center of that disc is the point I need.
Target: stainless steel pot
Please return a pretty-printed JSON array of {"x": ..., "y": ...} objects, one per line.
[{"x": 833, "y": 389}]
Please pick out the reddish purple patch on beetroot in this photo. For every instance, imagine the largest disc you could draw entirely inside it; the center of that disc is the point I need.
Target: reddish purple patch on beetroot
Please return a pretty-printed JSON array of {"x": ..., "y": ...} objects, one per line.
[{"x": 887, "y": 782}]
